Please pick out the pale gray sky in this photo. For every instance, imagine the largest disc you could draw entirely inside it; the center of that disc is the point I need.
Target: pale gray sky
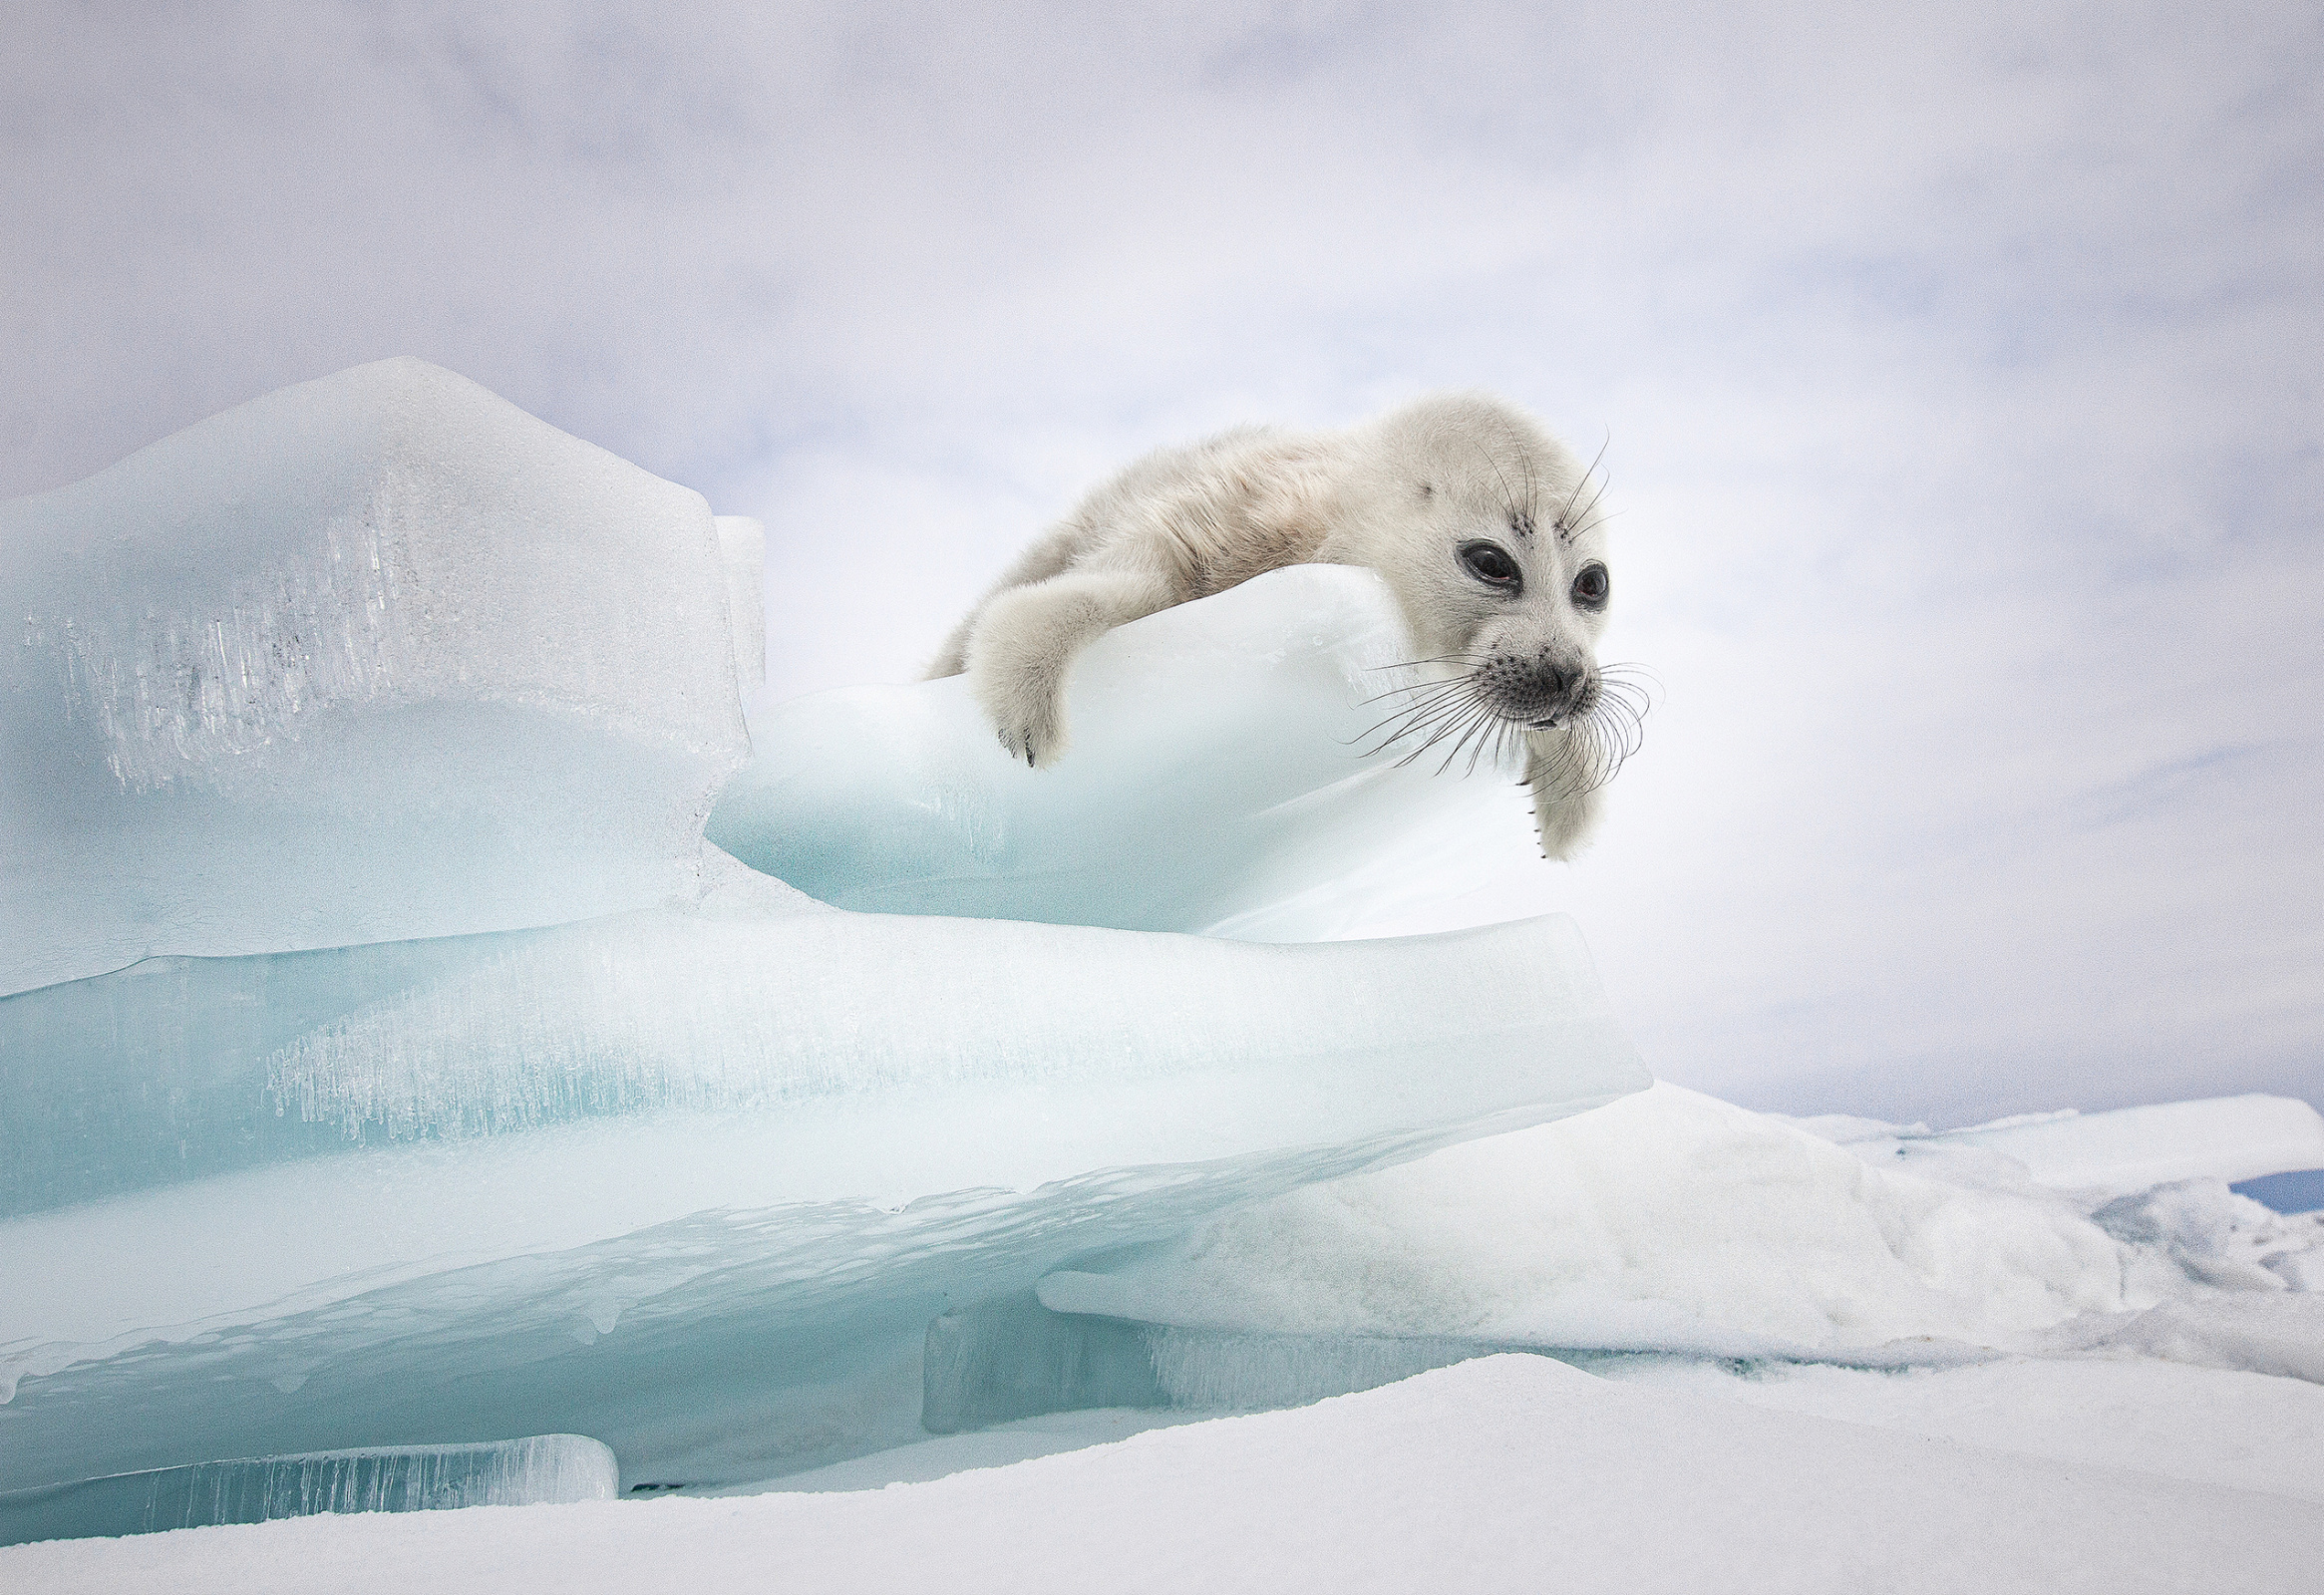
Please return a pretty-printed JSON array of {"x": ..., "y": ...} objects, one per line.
[{"x": 1960, "y": 372}]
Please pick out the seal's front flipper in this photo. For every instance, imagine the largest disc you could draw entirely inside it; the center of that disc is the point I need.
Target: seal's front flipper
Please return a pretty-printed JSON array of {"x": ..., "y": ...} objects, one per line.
[
  {"x": 1567, "y": 784},
  {"x": 1026, "y": 641}
]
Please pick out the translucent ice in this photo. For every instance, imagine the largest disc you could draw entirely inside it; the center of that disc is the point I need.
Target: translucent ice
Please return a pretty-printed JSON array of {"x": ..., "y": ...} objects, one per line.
[
  {"x": 1009, "y": 1360},
  {"x": 375, "y": 657},
  {"x": 460, "y": 1093},
  {"x": 1231, "y": 774},
  {"x": 621, "y": 1177},
  {"x": 538, "y": 1469}
]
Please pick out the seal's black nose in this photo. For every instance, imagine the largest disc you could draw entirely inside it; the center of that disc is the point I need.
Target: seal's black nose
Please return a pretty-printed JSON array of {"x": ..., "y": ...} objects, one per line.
[{"x": 1540, "y": 690}]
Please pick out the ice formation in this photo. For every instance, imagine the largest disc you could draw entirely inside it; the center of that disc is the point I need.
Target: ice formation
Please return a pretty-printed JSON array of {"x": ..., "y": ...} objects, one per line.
[
  {"x": 514, "y": 1109},
  {"x": 386, "y": 1062},
  {"x": 1670, "y": 1221},
  {"x": 2125, "y": 1150},
  {"x": 1314, "y": 828},
  {"x": 538, "y": 1469},
  {"x": 372, "y": 658},
  {"x": 750, "y": 1149},
  {"x": 1507, "y": 1475}
]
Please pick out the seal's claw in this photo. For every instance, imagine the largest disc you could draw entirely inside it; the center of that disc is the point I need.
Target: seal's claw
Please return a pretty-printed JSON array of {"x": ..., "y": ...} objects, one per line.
[{"x": 1030, "y": 724}]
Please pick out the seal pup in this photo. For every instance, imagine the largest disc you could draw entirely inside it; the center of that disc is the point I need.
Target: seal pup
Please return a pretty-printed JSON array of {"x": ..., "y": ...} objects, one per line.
[{"x": 1487, "y": 531}]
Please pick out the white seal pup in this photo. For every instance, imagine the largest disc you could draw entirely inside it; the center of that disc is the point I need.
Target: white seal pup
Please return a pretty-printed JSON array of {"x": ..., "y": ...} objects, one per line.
[{"x": 1487, "y": 529}]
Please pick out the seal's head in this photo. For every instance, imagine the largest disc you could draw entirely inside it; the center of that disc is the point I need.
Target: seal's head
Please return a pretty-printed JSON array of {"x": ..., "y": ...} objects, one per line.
[{"x": 1491, "y": 536}]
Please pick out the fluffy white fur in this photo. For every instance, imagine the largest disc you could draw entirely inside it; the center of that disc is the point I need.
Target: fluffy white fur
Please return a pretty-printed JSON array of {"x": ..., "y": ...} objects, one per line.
[{"x": 1415, "y": 495}]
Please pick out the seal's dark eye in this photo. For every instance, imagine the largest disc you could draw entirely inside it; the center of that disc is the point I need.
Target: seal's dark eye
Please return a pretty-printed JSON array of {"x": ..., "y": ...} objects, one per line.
[
  {"x": 1591, "y": 586},
  {"x": 1491, "y": 563}
]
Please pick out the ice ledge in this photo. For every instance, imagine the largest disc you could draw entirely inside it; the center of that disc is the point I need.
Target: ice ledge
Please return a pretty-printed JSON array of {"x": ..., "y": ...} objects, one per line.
[
  {"x": 1227, "y": 777},
  {"x": 738, "y": 1150}
]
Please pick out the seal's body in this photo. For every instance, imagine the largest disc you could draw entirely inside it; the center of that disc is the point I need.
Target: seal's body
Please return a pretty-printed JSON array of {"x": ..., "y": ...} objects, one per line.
[{"x": 1486, "y": 528}]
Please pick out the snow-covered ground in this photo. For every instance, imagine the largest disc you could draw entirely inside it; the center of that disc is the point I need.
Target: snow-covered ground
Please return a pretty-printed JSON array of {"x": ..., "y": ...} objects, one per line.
[
  {"x": 2052, "y": 1389},
  {"x": 1506, "y": 1473}
]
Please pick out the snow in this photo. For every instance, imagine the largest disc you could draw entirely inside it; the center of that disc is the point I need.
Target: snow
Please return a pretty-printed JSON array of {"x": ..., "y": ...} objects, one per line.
[
  {"x": 2126, "y": 1150},
  {"x": 1224, "y": 778},
  {"x": 1509, "y": 1473},
  {"x": 1670, "y": 1221},
  {"x": 2211, "y": 1426},
  {"x": 2263, "y": 1333},
  {"x": 375, "y": 657},
  {"x": 1673, "y": 1221}
]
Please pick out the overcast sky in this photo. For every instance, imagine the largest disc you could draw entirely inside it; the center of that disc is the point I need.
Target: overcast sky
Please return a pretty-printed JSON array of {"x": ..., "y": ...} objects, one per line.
[{"x": 1960, "y": 372}]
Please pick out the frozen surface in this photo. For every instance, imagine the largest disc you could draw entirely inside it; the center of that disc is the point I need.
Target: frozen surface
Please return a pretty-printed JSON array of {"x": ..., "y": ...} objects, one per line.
[
  {"x": 994, "y": 1446},
  {"x": 1226, "y": 777},
  {"x": 1672, "y": 1221},
  {"x": 1004, "y": 1361},
  {"x": 2116, "y": 1409},
  {"x": 375, "y": 657},
  {"x": 692, "y": 1182},
  {"x": 1507, "y": 1474},
  {"x": 2123, "y": 1151},
  {"x": 2255, "y": 1331},
  {"x": 412, "y": 1478},
  {"x": 2244, "y": 1430},
  {"x": 384, "y": 1059},
  {"x": 465, "y": 1094}
]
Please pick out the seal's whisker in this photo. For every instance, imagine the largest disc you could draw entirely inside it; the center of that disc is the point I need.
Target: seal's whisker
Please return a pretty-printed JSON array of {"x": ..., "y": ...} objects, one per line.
[
  {"x": 1391, "y": 738},
  {"x": 1620, "y": 701},
  {"x": 1473, "y": 725},
  {"x": 1601, "y": 743},
  {"x": 1507, "y": 500},
  {"x": 1454, "y": 724},
  {"x": 1493, "y": 741},
  {"x": 1411, "y": 721},
  {"x": 1626, "y": 669},
  {"x": 1418, "y": 714},
  {"x": 1454, "y": 684},
  {"x": 1475, "y": 740},
  {"x": 1585, "y": 530},
  {"x": 1591, "y": 521},
  {"x": 1564, "y": 511},
  {"x": 1470, "y": 660},
  {"x": 1415, "y": 712}
]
